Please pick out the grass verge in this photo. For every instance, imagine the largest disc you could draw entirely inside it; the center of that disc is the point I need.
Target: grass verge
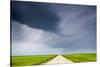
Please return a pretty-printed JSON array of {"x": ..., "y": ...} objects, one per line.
[
  {"x": 30, "y": 60},
  {"x": 81, "y": 57}
]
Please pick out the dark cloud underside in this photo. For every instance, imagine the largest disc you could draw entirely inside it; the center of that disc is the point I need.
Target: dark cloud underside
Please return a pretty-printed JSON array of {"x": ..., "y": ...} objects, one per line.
[
  {"x": 56, "y": 28},
  {"x": 36, "y": 15}
]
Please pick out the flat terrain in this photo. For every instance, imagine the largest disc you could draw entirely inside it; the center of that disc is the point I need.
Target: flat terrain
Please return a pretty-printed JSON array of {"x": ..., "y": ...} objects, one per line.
[
  {"x": 59, "y": 60},
  {"x": 76, "y": 58},
  {"x": 52, "y": 59},
  {"x": 30, "y": 60}
]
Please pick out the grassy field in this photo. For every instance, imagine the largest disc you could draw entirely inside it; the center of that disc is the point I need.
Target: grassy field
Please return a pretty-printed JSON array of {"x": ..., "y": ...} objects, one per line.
[
  {"x": 36, "y": 60},
  {"x": 81, "y": 57},
  {"x": 30, "y": 60}
]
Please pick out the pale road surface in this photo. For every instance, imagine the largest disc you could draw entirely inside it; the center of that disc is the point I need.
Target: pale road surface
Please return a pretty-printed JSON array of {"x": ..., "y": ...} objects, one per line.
[{"x": 59, "y": 60}]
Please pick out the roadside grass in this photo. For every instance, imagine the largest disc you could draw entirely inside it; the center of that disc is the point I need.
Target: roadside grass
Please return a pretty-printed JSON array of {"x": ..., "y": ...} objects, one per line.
[
  {"x": 91, "y": 57},
  {"x": 37, "y": 60},
  {"x": 30, "y": 60}
]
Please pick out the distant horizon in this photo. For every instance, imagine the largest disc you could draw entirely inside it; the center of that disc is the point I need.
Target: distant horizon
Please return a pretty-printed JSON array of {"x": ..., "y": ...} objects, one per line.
[{"x": 57, "y": 54}]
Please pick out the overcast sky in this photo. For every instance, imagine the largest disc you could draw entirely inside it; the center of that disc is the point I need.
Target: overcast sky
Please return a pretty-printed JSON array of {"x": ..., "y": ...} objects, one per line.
[{"x": 45, "y": 28}]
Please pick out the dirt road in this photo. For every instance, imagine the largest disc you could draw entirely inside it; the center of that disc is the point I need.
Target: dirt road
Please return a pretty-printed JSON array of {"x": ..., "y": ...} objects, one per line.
[{"x": 59, "y": 60}]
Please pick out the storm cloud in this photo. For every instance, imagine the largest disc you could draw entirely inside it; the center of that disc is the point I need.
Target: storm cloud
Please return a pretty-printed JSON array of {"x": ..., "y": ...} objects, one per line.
[
  {"x": 51, "y": 28},
  {"x": 36, "y": 15}
]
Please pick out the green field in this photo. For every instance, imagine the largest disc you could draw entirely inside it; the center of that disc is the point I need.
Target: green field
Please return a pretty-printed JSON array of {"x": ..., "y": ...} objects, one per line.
[
  {"x": 81, "y": 57},
  {"x": 30, "y": 60},
  {"x": 36, "y": 60}
]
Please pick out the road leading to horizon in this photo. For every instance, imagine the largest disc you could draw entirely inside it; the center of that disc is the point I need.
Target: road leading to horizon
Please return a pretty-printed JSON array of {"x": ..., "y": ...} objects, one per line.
[{"x": 59, "y": 60}]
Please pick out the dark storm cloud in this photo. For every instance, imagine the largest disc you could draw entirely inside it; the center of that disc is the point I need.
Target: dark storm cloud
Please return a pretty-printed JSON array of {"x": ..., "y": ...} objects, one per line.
[
  {"x": 36, "y": 15},
  {"x": 78, "y": 27},
  {"x": 33, "y": 21}
]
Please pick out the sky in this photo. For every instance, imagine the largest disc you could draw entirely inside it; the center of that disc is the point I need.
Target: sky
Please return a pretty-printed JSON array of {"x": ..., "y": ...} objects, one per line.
[{"x": 39, "y": 28}]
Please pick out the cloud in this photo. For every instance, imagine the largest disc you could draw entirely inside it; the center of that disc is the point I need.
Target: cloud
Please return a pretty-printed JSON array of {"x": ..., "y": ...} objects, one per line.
[
  {"x": 36, "y": 15},
  {"x": 78, "y": 26},
  {"x": 38, "y": 42},
  {"x": 74, "y": 33},
  {"x": 33, "y": 41}
]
